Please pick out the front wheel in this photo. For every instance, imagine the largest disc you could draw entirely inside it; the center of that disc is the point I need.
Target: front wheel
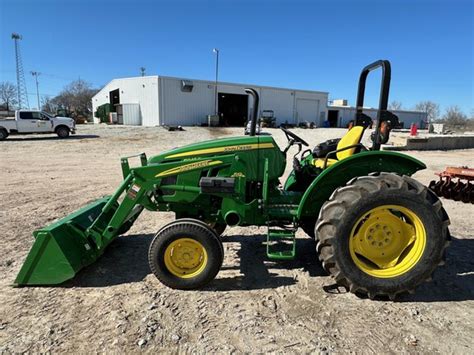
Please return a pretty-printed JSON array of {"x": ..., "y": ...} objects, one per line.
[
  {"x": 62, "y": 132},
  {"x": 185, "y": 255},
  {"x": 382, "y": 235}
]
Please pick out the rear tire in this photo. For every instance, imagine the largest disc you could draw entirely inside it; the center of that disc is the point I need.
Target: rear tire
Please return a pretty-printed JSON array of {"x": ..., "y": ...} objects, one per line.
[
  {"x": 62, "y": 132},
  {"x": 3, "y": 134},
  {"x": 185, "y": 255},
  {"x": 419, "y": 234}
]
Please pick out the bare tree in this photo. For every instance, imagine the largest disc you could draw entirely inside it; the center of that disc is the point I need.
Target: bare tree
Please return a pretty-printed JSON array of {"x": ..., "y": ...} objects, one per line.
[
  {"x": 431, "y": 108},
  {"x": 48, "y": 105},
  {"x": 75, "y": 99},
  {"x": 454, "y": 116},
  {"x": 395, "y": 105},
  {"x": 8, "y": 95}
]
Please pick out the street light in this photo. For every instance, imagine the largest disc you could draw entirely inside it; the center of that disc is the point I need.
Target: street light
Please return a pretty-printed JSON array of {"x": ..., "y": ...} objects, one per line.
[
  {"x": 36, "y": 74},
  {"x": 216, "y": 51}
]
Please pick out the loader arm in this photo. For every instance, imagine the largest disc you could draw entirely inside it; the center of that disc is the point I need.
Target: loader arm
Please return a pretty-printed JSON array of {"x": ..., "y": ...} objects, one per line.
[
  {"x": 63, "y": 248},
  {"x": 361, "y": 164}
]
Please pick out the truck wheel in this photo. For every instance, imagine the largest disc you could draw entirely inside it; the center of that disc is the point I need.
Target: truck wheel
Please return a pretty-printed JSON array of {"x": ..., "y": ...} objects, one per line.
[
  {"x": 62, "y": 132},
  {"x": 382, "y": 235},
  {"x": 185, "y": 255},
  {"x": 3, "y": 134}
]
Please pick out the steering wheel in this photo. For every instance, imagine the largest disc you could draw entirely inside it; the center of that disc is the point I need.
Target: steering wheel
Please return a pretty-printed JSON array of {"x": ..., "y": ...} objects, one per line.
[{"x": 293, "y": 138}]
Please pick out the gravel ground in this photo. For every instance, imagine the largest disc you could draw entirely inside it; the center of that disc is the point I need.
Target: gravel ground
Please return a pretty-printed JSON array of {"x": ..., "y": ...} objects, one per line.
[{"x": 254, "y": 305}]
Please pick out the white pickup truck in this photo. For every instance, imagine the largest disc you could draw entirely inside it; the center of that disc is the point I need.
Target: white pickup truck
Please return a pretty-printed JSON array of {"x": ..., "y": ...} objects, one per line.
[{"x": 27, "y": 122}]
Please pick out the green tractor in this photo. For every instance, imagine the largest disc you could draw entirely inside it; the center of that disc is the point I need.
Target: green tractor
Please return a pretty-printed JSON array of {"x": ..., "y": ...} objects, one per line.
[{"x": 378, "y": 231}]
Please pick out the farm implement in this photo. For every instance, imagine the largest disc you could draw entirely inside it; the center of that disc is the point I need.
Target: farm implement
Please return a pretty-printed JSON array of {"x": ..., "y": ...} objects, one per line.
[
  {"x": 455, "y": 184},
  {"x": 378, "y": 231}
]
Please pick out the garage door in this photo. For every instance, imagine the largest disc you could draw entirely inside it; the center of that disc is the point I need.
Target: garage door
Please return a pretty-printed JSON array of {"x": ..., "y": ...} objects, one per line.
[{"x": 307, "y": 110}]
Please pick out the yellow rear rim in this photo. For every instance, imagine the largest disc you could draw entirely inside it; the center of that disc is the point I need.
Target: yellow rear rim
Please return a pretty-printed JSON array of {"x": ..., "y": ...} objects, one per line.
[
  {"x": 185, "y": 258},
  {"x": 387, "y": 241}
]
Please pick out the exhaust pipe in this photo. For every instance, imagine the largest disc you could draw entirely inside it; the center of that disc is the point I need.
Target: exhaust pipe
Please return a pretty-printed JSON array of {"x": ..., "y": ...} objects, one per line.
[{"x": 253, "y": 125}]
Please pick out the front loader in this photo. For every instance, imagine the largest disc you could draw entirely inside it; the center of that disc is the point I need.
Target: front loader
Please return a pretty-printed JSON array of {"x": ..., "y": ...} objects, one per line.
[{"x": 378, "y": 231}]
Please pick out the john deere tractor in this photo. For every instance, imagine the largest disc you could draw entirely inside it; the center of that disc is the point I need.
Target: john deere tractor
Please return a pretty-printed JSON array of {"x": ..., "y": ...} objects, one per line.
[{"x": 378, "y": 231}]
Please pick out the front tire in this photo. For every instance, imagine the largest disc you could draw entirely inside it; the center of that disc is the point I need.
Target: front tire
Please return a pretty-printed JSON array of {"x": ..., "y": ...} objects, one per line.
[
  {"x": 219, "y": 228},
  {"x": 185, "y": 255},
  {"x": 62, "y": 132},
  {"x": 382, "y": 235}
]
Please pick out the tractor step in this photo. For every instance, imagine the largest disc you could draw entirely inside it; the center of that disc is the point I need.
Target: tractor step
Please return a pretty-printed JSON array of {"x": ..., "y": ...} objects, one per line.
[
  {"x": 282, "y": 211},
  {"x": 281, "y": 244}
]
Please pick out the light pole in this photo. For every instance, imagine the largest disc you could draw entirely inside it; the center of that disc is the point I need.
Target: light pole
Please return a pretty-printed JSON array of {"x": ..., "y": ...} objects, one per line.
[
  {"x": 36, "y": 74},
  {"x": 216, "y": 50}
]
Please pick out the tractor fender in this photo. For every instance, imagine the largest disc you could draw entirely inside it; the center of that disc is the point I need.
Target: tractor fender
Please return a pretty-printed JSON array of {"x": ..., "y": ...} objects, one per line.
[{"x": 361, "y": 164}]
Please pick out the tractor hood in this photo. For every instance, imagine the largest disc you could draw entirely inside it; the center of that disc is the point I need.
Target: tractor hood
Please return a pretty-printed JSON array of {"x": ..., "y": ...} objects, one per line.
[{"x": 215, "y": 147}]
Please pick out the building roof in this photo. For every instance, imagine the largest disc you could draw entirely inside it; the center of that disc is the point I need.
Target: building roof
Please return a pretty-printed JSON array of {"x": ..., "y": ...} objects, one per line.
[{"x": 212, "y": 83}]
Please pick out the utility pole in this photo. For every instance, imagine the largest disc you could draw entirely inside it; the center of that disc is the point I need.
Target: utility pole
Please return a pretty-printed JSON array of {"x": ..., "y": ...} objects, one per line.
[
  {"x": 142, "y": 71},
  {"x": 36, "y": 74},
  {"x": 216, "y": 50},
  {"x": 20, "y": 75}
]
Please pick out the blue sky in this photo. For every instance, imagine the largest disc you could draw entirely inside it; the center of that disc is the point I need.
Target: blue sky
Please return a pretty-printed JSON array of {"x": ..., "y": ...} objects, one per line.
[{"x": 315, "y": 45}]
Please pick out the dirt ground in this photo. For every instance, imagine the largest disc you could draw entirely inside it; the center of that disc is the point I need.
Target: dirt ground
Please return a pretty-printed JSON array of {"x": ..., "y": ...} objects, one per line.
[{"x": 253, "y": 305}]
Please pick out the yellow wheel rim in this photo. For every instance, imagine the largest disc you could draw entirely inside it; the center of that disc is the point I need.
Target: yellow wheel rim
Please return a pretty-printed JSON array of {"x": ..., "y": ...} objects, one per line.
[
  {"x": 387, "y": 241},
  {"x": 185, "y": 258}
]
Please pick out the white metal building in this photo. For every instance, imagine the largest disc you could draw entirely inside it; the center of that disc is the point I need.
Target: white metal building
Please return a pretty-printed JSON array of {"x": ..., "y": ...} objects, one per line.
[
  {"x": 340, "y": 116},
  {"x": 161, "y": 100}
]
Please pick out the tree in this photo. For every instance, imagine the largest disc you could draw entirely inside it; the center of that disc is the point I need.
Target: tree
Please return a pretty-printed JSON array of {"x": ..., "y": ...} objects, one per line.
[
  {"x": 454, "y": 116},
  {"x": 395, "y": 105},
  {"x": 75, "y": 99},
  {"x": 431, "y": 108},
  {"x": 48, "y": 105},
  {"x": 8, "y": 95}
]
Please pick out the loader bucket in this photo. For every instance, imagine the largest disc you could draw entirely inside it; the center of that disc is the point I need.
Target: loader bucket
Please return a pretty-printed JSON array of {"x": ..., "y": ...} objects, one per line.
[{"x": 61, "y": 249}]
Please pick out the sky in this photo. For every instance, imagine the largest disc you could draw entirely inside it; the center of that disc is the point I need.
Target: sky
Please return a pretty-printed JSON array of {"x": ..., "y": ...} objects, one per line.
[{"x": 312, "y": 45}]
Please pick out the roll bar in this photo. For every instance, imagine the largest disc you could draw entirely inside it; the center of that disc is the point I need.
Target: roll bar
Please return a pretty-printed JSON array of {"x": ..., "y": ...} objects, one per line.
[
  {"x": 253, "y": 124},
  {"x": 384, "y": 92}
]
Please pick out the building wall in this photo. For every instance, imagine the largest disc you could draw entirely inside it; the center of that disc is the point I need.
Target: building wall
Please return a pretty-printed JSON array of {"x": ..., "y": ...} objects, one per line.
[
  {"x": 347, "y": 114},
  {"x": 185, "y": 108},
  {"x": 162, "y": 102},
  {"x": 282, "y": 103},
  {"x": 141, "y": 90},
  {"x": 191, "y": 108}
]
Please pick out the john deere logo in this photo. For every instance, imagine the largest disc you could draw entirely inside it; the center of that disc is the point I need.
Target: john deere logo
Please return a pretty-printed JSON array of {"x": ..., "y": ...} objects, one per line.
[
  {"x": 188, "y": 167},
  {"x": 238, "y": 147},
  {"x": 228, "y": 149}
]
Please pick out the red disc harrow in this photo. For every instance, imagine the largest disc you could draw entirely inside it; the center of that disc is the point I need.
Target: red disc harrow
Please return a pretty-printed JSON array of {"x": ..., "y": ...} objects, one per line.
[{"x": 455, "y": 184}]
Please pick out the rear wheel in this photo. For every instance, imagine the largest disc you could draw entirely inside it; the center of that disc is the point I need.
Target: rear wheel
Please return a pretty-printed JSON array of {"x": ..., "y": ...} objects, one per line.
[
  {"x": 185, "y": 255},
  {"x": 3, "y": 134},
  {"x": 382, "y": 235},
  {"x": 62, "y": 132}
]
